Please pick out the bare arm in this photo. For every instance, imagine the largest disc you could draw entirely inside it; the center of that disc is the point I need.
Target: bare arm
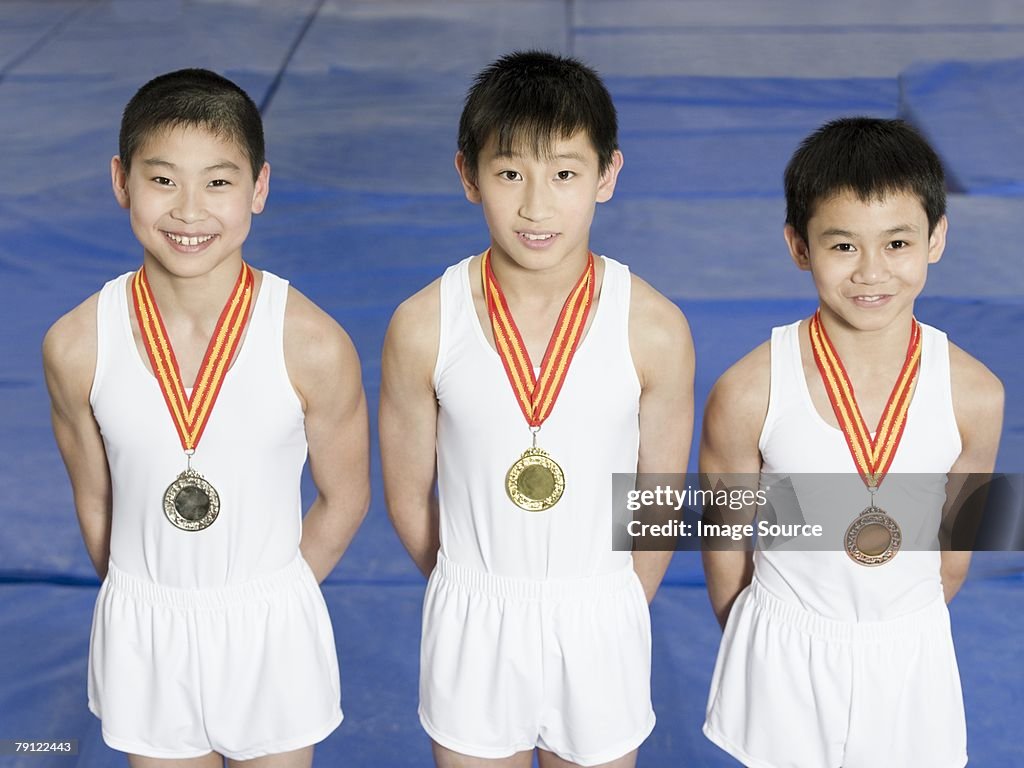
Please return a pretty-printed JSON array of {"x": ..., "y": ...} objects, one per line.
[
  {"x": 324, "y": 368},
  {"x": 978, "y": 404},
  {"x": 408, "y": 424},
  {"x": 69, "y": 363},
  {"x": 662, "y": 349},
  {"x": 733, "y": 418}
]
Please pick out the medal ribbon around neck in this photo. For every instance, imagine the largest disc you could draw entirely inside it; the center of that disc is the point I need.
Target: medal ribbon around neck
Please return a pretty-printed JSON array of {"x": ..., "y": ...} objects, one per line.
[
  {"x": 536, "y": 395},
  {"x": 872, "y": 457},
  {"x": 191, "y": 413}
]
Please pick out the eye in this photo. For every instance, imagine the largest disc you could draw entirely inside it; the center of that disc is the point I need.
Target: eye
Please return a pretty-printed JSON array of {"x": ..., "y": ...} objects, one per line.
[
  {"x": 897, "y": 244},
  {"x": 163, "y": 181},
  {"x": 511, "y": 175},
  {"x": 565, "y": 175},
  {"x": 844, "y": 247},
  {"x": 219, "y": 183}
]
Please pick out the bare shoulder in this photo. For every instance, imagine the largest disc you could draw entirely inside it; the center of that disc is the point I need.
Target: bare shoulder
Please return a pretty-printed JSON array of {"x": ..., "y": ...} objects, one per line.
[
  {"x": 310, "y": 330},
  {"x": 658, "y": 331},
  {"x": 69, "y": 347},
  {"x": 414, "y": 332},
  {"x": 734, "y": 415},
  {"x": 420, "y": 313},
  {"x": 317, "y": 349},
  {"x": 977, "y": 392},
  {"x": 740, "y": 395},
  {"x": 653, "y": 315}
]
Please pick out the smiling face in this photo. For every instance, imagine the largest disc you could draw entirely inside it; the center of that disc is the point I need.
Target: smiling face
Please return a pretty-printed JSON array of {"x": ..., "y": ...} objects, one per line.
[
  {"x": 869, "y": 259},
  {"x": 191, "y": 196},
  {"x": 539, "y": 209}
]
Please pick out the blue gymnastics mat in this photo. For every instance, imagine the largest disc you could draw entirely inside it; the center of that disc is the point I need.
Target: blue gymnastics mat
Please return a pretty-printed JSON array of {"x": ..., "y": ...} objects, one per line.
[
  {"x": 956, "y": 100},
  {"x": 361, "y": 101}
]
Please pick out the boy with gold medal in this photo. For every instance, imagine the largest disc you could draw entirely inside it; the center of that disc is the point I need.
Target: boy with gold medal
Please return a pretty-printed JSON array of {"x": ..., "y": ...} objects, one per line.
[
  {"x": 535, "y": 482},
  {"x": 844, "y": 657},
  {"x": 185, "y": 399},
  {"x": 536, "y": 634}
]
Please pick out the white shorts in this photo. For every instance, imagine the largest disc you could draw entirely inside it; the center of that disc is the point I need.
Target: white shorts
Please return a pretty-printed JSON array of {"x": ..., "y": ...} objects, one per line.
[
  {"x": 245, "y": 670},
  {"x": 792, "y": 689},
  {"x": 507, "y": 665}
]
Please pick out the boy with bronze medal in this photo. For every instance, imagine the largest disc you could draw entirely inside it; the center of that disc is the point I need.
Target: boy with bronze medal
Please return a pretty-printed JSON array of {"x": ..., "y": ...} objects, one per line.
[
  {"x": 874, "y": 537},
  {"x": 843, "y": 655},
  {"x": 186, "y": 396},
  {"x": 536, "y": 633}
]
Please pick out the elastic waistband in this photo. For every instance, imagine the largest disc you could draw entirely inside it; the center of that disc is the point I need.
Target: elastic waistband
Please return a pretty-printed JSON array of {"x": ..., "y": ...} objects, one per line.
[
  {"x": 532, "y": 589},
  {"x": 923, "y": 620},
  {"x": 203, "y": 599}
]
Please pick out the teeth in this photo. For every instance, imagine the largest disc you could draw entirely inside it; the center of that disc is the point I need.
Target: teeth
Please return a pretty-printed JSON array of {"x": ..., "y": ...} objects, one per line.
[
  {"x": 184, "y": 240},
  {"x": 529, "y": 236}
]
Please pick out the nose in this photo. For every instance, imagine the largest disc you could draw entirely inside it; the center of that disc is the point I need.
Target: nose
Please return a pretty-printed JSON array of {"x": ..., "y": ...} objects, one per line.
[
  {"x": 872, "y": 267},
  {"x": 188, "y": 205},
  {"x": 536, "y": 204}
]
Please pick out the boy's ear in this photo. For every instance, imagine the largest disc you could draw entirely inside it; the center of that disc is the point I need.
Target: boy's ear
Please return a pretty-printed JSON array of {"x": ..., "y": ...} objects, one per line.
[
  {"x": 937, "y": 240},
  {"x": 119, "y": 182},
  {"x": 262, "y": 189},
  {"x": 606, "y": 186},
  {"x": 467, "y": 176},
  {"x": 797, "y": 248}
]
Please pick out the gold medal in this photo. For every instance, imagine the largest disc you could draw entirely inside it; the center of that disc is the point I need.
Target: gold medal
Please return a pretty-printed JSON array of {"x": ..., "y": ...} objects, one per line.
[
  {"x": 873, "y": 538},
  {"x": 535, "y": 482},
  {"x": 190, "y": 502}
]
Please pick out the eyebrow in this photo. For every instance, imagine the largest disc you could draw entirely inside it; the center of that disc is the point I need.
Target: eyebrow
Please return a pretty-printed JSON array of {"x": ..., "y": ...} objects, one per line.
[
  {"x": 563, "y": 156},
  {"x": 898, "y": 229},
  {"x": 223, "y": 165}
]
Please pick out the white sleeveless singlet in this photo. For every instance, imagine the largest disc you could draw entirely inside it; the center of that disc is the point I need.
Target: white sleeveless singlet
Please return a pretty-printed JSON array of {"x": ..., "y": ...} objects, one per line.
[
  {"x": 252, "y": 452},
  {"x": 592, "y": 432},
  {"x": 795, "y": 439}
]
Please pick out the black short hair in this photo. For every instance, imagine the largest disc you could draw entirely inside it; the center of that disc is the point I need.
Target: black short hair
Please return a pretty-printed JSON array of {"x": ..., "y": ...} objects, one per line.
[
  {"x": 193, "y": 98},
  {"x": 871, "y": 157},
  {"x": 529, "y": 99}
]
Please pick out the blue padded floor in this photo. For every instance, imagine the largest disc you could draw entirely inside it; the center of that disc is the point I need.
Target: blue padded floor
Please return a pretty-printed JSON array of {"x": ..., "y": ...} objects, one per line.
[
  {"x": 956, "y": 99},
  {"x": 361, "y": 102}
]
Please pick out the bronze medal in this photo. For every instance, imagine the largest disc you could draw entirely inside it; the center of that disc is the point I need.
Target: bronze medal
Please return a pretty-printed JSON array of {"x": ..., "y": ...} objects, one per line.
[{"x": 873, "y": 538}]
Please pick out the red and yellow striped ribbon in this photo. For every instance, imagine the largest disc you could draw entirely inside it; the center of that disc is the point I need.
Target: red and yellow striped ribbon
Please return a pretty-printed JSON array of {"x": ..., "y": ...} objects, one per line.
[
  {"x": 536, "y": 395},
  {"x": 873, "y": 457},
  {"x": 191, "y": 413}
]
